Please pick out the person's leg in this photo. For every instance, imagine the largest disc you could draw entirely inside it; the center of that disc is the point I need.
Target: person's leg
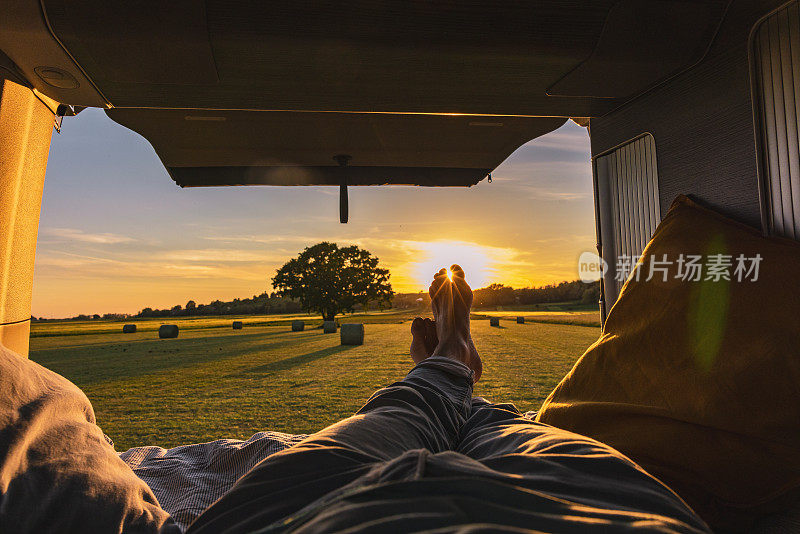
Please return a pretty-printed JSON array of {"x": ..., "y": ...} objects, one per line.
[
  {"x": 563, "y": 464},
  {"x": 423, "y": 411}
]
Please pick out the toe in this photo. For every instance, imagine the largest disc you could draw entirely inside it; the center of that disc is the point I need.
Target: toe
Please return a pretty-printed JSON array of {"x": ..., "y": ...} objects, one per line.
[
  {"x": 418, "y": 326},
  {"x": 439, "y": 280},
  {"x": 430, "y": 328},
  {"x": 431, "y": 339},
  {"x": 457, "y": 270}
]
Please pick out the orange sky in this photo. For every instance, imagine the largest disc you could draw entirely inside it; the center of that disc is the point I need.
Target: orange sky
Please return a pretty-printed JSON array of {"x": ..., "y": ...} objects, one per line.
[{"x": 117, "y": 235}]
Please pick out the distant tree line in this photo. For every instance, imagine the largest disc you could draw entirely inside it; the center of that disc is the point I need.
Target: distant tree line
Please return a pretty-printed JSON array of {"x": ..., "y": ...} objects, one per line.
[
  {"x": 502, "y": 295},
  {"x": 265, "y": 303},
  {"x": 88, "y": 317}
]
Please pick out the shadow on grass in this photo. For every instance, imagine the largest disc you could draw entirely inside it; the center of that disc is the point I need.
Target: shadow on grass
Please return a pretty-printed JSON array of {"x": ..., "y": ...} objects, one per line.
[
  {"x": 124, "y": 360},
  {"x": 296, "y": 361}
]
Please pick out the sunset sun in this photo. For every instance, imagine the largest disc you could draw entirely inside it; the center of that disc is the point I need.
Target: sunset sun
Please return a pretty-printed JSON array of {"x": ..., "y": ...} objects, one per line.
[{"x": 479, "y": 263}]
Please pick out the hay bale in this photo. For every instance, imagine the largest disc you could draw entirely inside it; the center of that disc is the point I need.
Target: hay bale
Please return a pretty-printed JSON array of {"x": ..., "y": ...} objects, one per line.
[
  {"x": 352, "y": 334},
  {"x": 494, "y": 321},
  {"x": 298, "y": 326},
  {"x": 329, "y": 327},
  {"x": 520, "y": 320},
  {"x": 167, "y": 331},
  {"x": 237, "y": 325},
  {"x": 128, "y": 328}
]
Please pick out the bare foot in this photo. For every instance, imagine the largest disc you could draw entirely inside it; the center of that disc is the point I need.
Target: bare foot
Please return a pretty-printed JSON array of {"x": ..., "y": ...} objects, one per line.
[{"x": 451, "y": 301}]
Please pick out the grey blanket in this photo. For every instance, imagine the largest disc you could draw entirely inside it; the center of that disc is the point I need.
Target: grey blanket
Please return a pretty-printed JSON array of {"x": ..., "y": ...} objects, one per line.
[{"x": 188, "y": 479}]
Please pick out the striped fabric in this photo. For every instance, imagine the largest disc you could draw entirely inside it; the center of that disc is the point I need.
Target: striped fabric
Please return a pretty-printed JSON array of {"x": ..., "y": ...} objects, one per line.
[
  {"x": 777, "y": 92},
  {"x": 188, "y": 479},
  {"x": 629, "y": 208}
]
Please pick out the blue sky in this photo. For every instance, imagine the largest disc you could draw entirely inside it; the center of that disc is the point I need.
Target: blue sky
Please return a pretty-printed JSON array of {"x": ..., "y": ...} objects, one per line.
[{"x": 116, "y": 234}]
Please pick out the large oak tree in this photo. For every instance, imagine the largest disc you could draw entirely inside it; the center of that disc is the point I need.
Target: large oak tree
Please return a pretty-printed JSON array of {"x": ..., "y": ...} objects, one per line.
[{"x": 328, "y": 279}]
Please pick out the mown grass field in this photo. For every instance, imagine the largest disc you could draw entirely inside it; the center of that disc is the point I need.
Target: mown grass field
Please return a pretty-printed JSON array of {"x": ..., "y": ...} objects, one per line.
[{"x": 214, "y": 382}]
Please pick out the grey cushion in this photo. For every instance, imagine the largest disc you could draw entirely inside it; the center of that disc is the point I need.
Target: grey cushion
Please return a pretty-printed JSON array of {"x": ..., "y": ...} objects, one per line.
[{"x": 58, "y": 472}]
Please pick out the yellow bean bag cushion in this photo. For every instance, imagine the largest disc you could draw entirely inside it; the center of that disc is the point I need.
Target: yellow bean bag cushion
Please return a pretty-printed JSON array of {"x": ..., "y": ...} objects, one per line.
[{"x": 697, "y": 377}]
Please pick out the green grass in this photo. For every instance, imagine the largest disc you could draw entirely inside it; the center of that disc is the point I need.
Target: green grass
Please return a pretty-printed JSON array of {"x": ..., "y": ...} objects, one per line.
[
  {"x": 214, "y": 382},
  {"x": 549, "y": 317},
  {"x": 568, "y": 313}
]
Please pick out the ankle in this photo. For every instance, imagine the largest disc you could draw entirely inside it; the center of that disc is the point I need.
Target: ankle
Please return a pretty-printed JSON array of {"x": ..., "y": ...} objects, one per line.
[{"x": 454, "y": 348}]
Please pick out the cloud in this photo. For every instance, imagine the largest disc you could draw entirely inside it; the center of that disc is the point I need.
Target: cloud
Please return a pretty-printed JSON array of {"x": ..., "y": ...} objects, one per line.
[
  {"x": 544, "y": 170},
  {"x": 549, "y": 194},
  {"x": 574, "y": 140},
  {"x": 548, "y": 180},
  {"x": 215, "y": 255},
  {"x": 68, "y": 261},
  {"x": 265, "y": 239},
  {"x": 147, "y": 271},
  {"x": 74, "y": 234}
]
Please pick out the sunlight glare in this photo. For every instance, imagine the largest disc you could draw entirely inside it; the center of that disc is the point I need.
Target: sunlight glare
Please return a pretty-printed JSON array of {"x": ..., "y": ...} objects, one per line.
[{"x": 479, "y": 263}]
